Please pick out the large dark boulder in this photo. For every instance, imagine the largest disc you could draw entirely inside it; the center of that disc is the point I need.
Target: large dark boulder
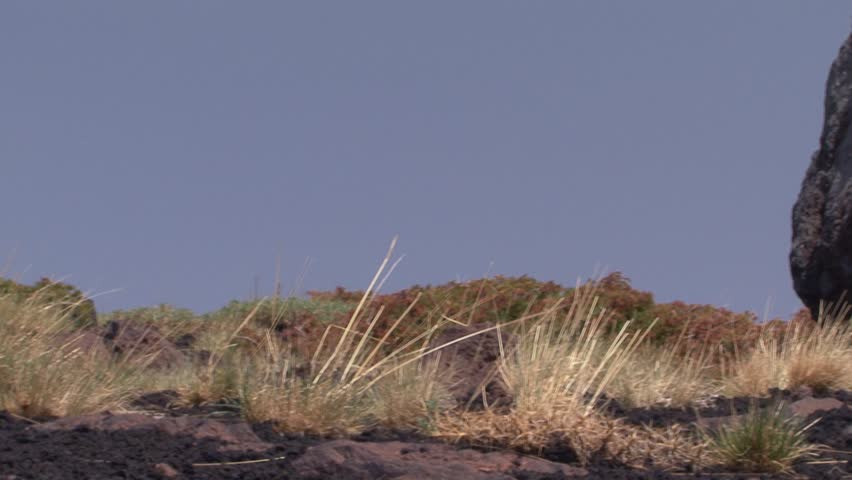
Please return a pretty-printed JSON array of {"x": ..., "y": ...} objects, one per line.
[{"x": 821, "y": 253}]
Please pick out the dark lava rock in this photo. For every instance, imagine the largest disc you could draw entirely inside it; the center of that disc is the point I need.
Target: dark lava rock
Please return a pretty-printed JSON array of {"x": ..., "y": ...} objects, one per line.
[
  {"x": 367, "y": 461},
  {"x": 821, "y": 253},
  {"x": 233, "y": 435},
  {"x": 472, "y": 364},
  {"x": 125, "y": 337}
]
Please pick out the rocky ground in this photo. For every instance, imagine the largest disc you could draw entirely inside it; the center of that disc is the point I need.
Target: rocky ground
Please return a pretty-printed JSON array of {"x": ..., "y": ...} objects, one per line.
[{"x": 157, "y": 441}]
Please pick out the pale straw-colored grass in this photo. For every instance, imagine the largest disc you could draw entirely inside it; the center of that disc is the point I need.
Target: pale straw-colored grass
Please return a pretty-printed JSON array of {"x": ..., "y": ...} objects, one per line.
[
  {"x": 817, "y": 356},
  {"x": 348, "y": 385},
  {"x": 44, "y": 370},
  {"x": 568, "y": 360},
  {"x": 590, "y": 436},
  {"x": 663, "y": 375},
  {"x": 557, "y": 373}
]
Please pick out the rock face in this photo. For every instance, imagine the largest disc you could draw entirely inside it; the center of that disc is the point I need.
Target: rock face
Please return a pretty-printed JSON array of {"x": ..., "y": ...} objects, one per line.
[
  {"x": 231, "y": 435},
  {"x": 471, "y": 365},
  {"x": 123, "y": 337},
  {"x": 821, "y": 254},
  {"x": 410, "y": 461}
]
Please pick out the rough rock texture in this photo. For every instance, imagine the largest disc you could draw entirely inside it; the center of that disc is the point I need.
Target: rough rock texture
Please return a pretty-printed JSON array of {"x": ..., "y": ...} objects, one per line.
[
  {"x": 232, "y": 435},
  {"x": 821, "y": 253},
  {"x": 184, "y": 443},
  {"x": 124, "y": 337},
  {"x": 410, "y": 461},
  {"x": 472, "y": 365}
]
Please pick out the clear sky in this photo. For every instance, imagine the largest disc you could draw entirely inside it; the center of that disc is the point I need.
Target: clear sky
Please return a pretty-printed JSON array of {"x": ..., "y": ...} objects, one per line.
[{"x": 173, "y": 149}]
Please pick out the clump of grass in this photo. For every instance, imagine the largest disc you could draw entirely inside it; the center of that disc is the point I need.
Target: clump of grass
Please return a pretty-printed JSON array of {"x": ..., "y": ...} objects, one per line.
[
  {"x": 567, "y": 361},
  {"x": 764, "y": 440},
  {"x": 348, "y": 385},
  {"x": 218, "y": 378},
  {"x": 410, "y": 397},
  {"x": 557, "y": 373},
  {"x": 175, "y": 320},
  {"x": 272, "y": 387},
  {"x": 45, "y": 368},
  {"x": 573, "y": 434},
  {"x": 817, "y": 356},
  {"x": 77, "y": 308},
  {"x": 664, "y": 376}
]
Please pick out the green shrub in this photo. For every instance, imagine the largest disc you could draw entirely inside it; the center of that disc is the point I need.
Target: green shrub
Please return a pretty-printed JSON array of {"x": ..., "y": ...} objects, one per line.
[
  {"x": 283, "y": 312},
  {"x": 170, "y": 320},
  {"x": 763, "y": 440},
  {"x": 80, "y": 310}
]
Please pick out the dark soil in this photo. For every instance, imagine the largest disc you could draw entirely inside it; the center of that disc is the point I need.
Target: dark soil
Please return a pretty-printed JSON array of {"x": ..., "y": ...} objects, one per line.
[{"x": 90, "y": 453}]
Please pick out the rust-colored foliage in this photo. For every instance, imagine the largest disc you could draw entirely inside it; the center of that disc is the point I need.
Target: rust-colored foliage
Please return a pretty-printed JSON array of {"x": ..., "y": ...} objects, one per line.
[
  {"x": 488, "y": 300},
  {"x": 625, "y": 303},
  {"x": 707, "y": 327},
  {"x": 339, "y": 294}
]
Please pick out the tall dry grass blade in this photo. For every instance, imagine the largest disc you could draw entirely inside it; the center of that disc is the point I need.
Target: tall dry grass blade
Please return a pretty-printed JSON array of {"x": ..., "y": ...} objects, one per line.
[
  {"x": 361, "y": 343},
  {"x": 356, "y": 313},
  {"x": 386, "y": 335},
  {"x": 440, "y": 347}
]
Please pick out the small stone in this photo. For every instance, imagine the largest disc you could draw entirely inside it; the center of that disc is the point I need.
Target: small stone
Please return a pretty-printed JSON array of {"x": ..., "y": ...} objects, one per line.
[
  {"x": 166, "y": 470},
  {"x": 807, "y": 406}
]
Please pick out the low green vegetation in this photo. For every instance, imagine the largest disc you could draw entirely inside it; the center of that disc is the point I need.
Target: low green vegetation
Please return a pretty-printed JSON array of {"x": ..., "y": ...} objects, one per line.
[
  {"x": 57, "y": 295},
  {"x": 763, "y": 440}
]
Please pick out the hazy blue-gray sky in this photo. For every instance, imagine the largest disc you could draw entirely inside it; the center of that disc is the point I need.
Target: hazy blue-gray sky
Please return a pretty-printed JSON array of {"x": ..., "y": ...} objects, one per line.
[{"x": 172, "y": 148}]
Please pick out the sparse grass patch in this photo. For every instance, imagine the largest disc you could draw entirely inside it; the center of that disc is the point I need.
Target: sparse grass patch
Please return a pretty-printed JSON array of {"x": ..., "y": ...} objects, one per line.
[
  {"x": 348, "y": 385},
  {"x": 556, "y": 374},
  {"x": 813, "y": 355},
  {"x": 350, "y": 394},
  {"x": 175, "y": 320},
  {"x": 662, "y": 376},
  {"x": 77, "y": 308},
  {"x": 410, "y": 397},
  {"x": 572, "y": 432},
  {"x": 763, "y": 440},
  {"x": 45, "y": 370},
  {"x": 567, "y": 361},
  {"x": 278, "y": 392}
]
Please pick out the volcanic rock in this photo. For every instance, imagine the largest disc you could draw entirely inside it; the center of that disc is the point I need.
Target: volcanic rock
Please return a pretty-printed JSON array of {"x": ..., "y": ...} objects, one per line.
[
  {"x": 821, "y": 253},
  {"x": 406, "y": 460},
  {"x": 124, "y": 337},
  {"x": 472, "y": 364},
  {"x": 232, "y": 435}
]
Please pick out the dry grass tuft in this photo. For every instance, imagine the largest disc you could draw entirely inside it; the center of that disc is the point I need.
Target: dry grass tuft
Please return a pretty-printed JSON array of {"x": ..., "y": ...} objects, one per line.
[
  {"x": 589, "y": 437},
  {"x": 557, "y": 374},
  {"x": 662, "y": 376},
  {"x": 569, "y": 360},
  {"x": 817, "y": 356},
  {"x": 410, "y": 397},
  {"x": 44, "y": 369},
  {"x": 345, "y": 387}
]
